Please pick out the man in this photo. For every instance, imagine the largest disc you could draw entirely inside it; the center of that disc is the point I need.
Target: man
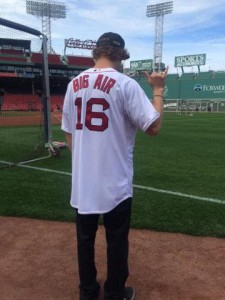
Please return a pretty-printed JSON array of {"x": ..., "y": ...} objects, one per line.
[{"x": 102, "y": 111}]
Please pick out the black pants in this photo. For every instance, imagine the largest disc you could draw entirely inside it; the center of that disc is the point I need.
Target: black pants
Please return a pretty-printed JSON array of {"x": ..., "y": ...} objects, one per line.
[{"x": 117, "y": 225}]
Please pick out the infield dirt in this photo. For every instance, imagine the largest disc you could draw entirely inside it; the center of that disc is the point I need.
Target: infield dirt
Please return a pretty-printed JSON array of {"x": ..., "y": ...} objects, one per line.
[{"x": 38, "y": 262}]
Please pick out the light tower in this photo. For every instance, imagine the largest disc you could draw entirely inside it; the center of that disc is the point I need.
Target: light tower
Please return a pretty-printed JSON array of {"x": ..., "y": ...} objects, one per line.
[
  {"x": 158, "y": 11},
  {"x": 46, "y": 10}
]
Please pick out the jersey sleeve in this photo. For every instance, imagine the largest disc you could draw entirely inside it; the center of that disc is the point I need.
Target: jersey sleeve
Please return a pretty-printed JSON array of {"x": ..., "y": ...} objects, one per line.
[
  {"x": 67, "y": 111},
  {"x": 138, "y": 107}
]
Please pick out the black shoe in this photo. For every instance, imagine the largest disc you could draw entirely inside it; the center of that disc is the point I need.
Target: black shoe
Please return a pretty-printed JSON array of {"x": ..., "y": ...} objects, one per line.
[
  {"x": 90, "y": 293},
  {"x": 89, "y": 297},
  {"x": 129, "y": 293}
]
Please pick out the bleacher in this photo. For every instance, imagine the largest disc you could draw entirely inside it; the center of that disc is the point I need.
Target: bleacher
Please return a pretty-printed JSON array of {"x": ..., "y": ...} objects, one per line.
[
  {"x": 36, "y": 58},
  {"x": 21, "y": 75},
  {"x": 56, "y": 102},
  {"x": 80, "y": 61},
  {"x": 22, "y": 102},
  {"x": 18, "y": 53},
  {"x": 14, "y": 51},
  {"x": 11, "y": 52},
  {"x": 54, "y": 59},
  {"x": 13, "y": 56},
  {"x": 14, "y": 59}
]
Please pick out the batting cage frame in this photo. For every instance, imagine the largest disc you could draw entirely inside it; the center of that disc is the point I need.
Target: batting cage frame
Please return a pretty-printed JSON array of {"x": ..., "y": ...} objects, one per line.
[{"x": 45, "y": 92}]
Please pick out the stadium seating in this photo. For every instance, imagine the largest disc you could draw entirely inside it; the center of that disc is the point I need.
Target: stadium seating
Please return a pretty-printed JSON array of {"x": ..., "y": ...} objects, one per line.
[
  {"x": 80, "y": 61},
  {"x": 56, "y": 102},
  {"x": 11, "y": 52},
  {"x": 36, "y": 57},
  {"x": 21, "y": 102},
  {"x": 54, "y": 59},
  {"x": 13, "y": 58},
  {"x": 30, "y": 102},
  {"x": 12, "y": 55}
]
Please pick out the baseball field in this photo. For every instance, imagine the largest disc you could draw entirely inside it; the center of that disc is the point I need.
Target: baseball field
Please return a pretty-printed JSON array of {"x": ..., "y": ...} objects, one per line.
[
  {"x": 178, "y": 227},
  {"x": 179, "y": 178}
]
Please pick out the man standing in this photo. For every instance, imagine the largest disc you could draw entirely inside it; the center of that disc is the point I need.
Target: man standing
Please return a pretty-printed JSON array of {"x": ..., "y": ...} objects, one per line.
[{"x": 102, "y": 111}]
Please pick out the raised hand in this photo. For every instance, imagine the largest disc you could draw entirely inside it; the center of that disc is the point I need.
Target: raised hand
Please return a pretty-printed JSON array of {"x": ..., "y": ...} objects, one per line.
[{"x": 156, "y": 79}]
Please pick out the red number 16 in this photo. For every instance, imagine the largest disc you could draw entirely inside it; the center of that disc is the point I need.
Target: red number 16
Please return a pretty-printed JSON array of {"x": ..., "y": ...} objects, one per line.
[{"x": 90, "y": 114}]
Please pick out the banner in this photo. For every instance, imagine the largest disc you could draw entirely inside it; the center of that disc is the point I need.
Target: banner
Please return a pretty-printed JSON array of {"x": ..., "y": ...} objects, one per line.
[
  {"x": 190, "y": 60},
  {"x": 141, "y": 65}
]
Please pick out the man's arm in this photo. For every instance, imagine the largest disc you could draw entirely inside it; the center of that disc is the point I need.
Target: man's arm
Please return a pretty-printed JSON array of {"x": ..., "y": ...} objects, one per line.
[
  {"x": 157, "y": 82},
  {"x": 69, "y": 140}
]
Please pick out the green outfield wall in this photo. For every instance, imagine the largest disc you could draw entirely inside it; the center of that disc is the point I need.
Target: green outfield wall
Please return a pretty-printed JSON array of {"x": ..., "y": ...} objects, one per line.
[{"x": 203, "y": 91}]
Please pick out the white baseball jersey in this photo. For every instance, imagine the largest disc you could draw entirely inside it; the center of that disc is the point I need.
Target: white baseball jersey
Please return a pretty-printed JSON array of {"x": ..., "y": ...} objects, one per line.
[{"x": 103, "y": 109}]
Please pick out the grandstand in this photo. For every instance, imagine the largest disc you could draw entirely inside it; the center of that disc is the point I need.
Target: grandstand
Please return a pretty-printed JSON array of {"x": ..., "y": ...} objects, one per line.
[
  {"x": 79, "y": 61},
  {"x": 19, "y": 64}
]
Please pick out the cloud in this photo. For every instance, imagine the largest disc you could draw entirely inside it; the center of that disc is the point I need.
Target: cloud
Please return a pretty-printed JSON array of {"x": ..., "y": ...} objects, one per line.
[{"x": 193, "y": 27}]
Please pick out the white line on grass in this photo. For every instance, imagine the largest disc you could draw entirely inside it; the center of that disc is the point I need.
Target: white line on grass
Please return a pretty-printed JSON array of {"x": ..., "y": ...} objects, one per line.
[
  {"x": 21, "y": 165},
  {"x": 179, "y": 194},
  {"x": 213, "y": 200},
  {"x": 45, "y": 170},
  {"x": 32, "y": 160}
]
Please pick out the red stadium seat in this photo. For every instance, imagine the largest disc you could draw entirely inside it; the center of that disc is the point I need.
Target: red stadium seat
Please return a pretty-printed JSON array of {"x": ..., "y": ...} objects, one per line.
[
  {"x": 12, "y": 52},
  {"x": 13, "y": 58},
  {"x": 80, "y": 61},
  {"x": 54, "y": 59},
  {"x": 21, "y": 102},
  {"x": 36, "y": 58}
]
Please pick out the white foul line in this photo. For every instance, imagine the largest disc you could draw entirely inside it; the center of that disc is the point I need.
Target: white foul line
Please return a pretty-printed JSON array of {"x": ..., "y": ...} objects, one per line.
[
  {"x": 45, "y": 170},
  {"x": 179, "y": 194},
  {"x": 22, "y": 165},
  {"x": 213, "y": 200}
]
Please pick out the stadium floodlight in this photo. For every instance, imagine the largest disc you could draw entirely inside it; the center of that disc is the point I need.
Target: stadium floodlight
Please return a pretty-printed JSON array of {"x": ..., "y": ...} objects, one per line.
[
  {"x": 46, "y": 10},
  {"x": 158, "y": 11}
]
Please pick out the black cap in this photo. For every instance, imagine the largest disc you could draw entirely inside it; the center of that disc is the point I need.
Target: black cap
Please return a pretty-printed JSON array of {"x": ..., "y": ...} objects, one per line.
[{"x": 111, "y": 39}]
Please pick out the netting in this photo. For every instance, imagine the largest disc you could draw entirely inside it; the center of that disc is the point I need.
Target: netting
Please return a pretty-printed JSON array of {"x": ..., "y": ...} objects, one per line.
[{"x": 22, "y": 106}]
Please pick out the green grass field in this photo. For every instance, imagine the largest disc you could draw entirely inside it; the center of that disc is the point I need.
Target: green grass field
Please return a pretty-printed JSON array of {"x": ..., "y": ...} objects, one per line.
[{"x": 179, "y": 180}]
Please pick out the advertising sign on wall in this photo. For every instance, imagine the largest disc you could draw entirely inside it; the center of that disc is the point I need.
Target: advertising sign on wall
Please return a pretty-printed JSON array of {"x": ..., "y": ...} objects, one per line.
[
  {"x": 190, "y": 60},
  {"x": 141, "y": 65}
]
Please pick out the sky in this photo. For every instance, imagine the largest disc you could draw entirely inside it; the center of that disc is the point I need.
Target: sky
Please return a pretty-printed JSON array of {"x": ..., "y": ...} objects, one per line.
[{"x": 194, "y": 27}]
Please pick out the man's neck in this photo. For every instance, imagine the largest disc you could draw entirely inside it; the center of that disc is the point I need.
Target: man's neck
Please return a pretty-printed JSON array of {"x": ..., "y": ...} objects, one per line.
[{"x": 104, "y": 62}]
